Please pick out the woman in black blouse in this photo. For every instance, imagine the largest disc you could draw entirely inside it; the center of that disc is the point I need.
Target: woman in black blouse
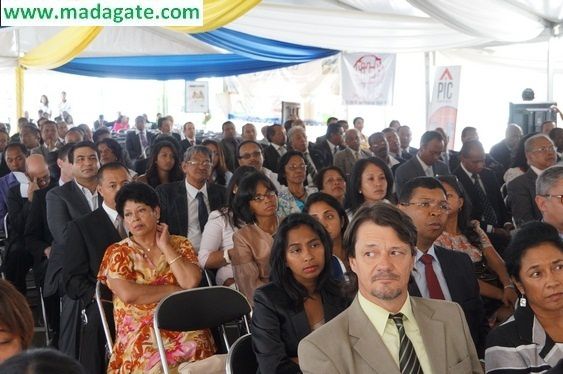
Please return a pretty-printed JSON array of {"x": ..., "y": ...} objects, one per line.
[{"x": 301, "y": 297}]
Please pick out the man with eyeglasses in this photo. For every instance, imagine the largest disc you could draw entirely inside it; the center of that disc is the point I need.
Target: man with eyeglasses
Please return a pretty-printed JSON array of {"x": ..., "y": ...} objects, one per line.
[
  {"x": 185, "y": 205},
  {"x": 549, "y": 198},
  {"x": 249, "y": 153},
  {"x": 441, "y": 273},
  {"x": 540, "y": 154}
]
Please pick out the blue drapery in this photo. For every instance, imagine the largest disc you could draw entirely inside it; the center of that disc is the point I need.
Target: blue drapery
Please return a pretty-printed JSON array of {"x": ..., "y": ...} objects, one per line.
[
  {"x": 260, "y": 48},
  {"x": 188, "y": 67},
  {"x": 249, "y": 54}
]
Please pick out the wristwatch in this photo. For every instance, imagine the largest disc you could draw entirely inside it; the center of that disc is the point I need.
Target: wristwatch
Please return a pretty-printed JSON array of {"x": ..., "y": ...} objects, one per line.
[{"x": 226, "y": 256}]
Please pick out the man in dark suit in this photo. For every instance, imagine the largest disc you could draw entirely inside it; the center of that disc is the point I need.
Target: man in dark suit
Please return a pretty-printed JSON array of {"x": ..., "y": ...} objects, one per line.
[
  {"x": 229, "y": 144},
  {"x": 165, "y": 125},
  {"x": 190, "y": 138},
  {"x": 425, "y": 163},
  {"x": 14, "y": 155},
  {"x": 332, "y": 144},
  {"x": 502, "y": 152},
  {"x": 138, "y": 141},
  {"x": 38, "y": 241},
  {"x": 540, "y": 154},
  {"x": 273, "y": 152},
  {"x": 441, "y": 273},
  {"x": 90, "y": 235},
  {"x": 483, "y": 191},
  {"x": 19, "y": 260},
  {"x": 346, "y": 158},
  {"x": 405, "y": 138},
  {"x": 185, "y": 205},
  {"x": 387, "y": 330},
  {"x": 65, "y": 204},
  {"x": 380, "y": 148},
  {"x": 297, "y": 140}
]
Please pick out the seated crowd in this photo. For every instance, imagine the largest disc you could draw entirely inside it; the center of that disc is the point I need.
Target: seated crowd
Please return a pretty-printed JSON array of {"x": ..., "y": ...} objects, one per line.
[{"x": 357, "y": 254}]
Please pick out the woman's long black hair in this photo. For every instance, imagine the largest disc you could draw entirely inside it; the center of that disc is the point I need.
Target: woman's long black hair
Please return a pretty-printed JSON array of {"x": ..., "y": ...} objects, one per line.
[
  {"x": 176, "y": 173},
  {"x": 354, "y": 199}
]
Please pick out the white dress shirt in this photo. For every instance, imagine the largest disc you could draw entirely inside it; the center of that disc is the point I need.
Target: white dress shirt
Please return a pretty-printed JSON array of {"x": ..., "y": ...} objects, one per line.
[
  {"x": 194, "y": 232},
  {"x": 112, "y": 214},
  {"x": 427, "y": 169},
  {"x": 217, "y": 236},
  {"x": 91, "y": 198},
  {"x": 420, "y": 278}
]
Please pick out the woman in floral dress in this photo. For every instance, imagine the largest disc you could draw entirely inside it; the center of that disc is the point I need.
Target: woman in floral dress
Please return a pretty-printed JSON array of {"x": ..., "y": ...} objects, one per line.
[{"x": 141, "y": 270}]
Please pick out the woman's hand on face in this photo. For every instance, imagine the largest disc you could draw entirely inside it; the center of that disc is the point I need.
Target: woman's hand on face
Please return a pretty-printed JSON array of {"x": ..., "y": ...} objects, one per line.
[{"x": 162, "y": 236}]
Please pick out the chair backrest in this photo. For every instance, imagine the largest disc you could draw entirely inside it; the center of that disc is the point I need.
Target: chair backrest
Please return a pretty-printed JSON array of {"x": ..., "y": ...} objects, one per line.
[
  {"x": 241, "y": 358},
  {"x": 104, "y": 300},
  {"x": 197, "y": 309},
  {"x": 200, "y": 308}
]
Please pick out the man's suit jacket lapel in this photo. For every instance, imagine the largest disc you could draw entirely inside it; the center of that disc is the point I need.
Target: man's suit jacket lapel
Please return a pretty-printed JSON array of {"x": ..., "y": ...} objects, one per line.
[
  {"x": 369, "y": 344},
  {"x": 417, "y": 166},
  {"x": 180, "y": 207},
  {"x": 433, "y": 336},
  {"x": 80, "y": 201},
  {"x": 450, "y": 274}
]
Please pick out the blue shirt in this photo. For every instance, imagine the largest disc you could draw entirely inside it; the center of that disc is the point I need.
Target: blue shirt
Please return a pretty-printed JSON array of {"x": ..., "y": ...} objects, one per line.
[{"x": 420, "y": 278}]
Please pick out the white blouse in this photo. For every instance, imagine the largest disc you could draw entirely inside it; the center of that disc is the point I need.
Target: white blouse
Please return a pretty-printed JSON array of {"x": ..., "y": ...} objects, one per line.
[{"x": 217, "y": 235}]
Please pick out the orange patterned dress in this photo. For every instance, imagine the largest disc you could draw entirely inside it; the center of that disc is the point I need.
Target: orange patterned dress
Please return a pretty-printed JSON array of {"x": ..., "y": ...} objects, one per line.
[{"x": 135, "y": 349}]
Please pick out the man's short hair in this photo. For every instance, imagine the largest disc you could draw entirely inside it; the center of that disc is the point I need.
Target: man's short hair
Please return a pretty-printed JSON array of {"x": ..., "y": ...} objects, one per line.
[
  {"x": 196, "y": 149},
  {"x": 99, "y": 132},
  {"x": 271, "y": 130},
  {"x": 356, "y": 120},
  {"x": 469, "y": 146},
  {"x": 19, "y": 146},
  {"x": 333, "y": 128},
  {"x": 82, "y": 144},
  {"x": 110, "y": 166},
  {"x": 467, "y": 129},
  {"x": 381, "y": 214},
  {"x": 408, "y": 188},
  {"x": 294, "y": 130},
  {"x": 330, "y": 119},
  {"x": 245, "y": 142},
  {"x": 389, "y": 130},
  {"x": 62, "y": 154},
  {"x": 548, "y": 179},
  {"x": 428, "y": 136},
  {"x": 529, "y": 143},
  {"x": 225, "y": 124}
]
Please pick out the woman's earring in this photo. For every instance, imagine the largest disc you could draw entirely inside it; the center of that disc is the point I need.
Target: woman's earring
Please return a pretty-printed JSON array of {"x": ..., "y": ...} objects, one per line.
[{"x": 523, "y": 301}]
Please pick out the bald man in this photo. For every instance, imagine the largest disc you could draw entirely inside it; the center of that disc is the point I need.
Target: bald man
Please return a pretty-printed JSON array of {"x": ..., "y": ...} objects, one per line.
[{"x": 19, "y": 260}]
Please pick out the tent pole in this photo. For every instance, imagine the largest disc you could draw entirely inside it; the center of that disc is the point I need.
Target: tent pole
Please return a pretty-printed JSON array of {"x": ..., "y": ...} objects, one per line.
[
  {"x": 551, "y": 61},
  {"x": 19, "y": 79},
  {"x": 427, "y": 83}
]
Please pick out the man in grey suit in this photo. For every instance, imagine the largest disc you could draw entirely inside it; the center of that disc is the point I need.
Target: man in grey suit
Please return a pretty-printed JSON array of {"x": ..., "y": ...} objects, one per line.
[
  {"x": 385, "y": 330},
  {"x": 425, "y": 163},
  {"x": 540, "y": 154},
  {"x": 66, "y": 203},
  {"x": 346, "y": 158}
]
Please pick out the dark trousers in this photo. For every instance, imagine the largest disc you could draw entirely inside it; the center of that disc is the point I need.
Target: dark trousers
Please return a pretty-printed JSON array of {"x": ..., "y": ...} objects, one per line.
[
  {"x": 69, "y": 326},
  {"x": 93, "y": 341},
  {"x": 18, "y": 263}
]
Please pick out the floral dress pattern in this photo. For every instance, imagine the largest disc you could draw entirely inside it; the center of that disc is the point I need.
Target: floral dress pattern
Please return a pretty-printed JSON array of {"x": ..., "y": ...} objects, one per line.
[{"x": 135, "y": 349}]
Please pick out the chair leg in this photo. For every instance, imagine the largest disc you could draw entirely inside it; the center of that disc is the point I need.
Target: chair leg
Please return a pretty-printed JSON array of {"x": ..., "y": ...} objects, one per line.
[{"x": 44, "y": 313}]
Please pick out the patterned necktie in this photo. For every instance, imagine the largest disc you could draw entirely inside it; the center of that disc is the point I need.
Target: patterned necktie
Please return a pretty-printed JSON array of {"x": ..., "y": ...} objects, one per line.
[
  {"x": 143, "y": 137},
  {"x": 408, "y": 361},
  {"x": 434, "y": 289},
  {"x": 202, "y": 213},
  {"x": 120, "y": 228},
  {"x": 488, "y": 212},
  {"x": 311, "y": 169}
]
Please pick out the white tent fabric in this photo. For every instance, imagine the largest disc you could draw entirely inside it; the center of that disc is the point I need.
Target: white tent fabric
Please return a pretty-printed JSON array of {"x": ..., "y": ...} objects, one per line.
[{"x": 401, "y": 26}]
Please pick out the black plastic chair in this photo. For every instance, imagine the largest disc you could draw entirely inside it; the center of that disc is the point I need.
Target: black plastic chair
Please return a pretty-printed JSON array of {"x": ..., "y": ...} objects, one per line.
[
  {"x": 241, "y": 358},
  {"x": 197, "y": 309}
]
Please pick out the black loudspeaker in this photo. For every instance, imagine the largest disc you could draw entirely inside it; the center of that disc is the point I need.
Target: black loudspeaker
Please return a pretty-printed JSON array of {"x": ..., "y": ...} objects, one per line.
[{"x": 530, "y": 116}]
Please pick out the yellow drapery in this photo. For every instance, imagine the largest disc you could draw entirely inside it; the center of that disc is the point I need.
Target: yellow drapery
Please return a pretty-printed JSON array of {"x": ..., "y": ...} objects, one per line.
[
  {"x": 218, "y": 13},
  {"x": 19, "y": 91}
]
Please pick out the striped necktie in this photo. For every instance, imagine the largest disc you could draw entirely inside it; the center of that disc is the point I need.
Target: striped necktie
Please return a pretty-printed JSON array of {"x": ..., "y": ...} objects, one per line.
[{"x": 408, "y": 361}]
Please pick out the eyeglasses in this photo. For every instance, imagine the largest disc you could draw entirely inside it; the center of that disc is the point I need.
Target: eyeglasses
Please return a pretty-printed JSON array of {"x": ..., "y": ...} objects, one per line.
[
  {"x": 261, "y": 197},
  {"x": 560, "y": 197},
  {"x": 442, "y": 206},
  {"x": 297, "y": 167},
  {"x": 205, "y": 164},
  {"x": 248, "y": 156},
  {"x": 545, "y": 149}
]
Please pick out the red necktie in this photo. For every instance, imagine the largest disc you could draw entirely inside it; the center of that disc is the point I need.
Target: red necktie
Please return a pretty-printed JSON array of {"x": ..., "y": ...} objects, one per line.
[{"x": 431, "y": 279}]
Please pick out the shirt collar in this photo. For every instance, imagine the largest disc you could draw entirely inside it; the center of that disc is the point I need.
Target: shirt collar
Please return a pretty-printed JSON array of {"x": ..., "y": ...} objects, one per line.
[
  {"x": 378, "y": 316},
  {"x": 192, "y": 191},
  {"x": 536, "y": 170},
  {"x": 431, "y": 251},
  {"x": 137, "y": 131},
  {"x": 470, "y": 175},
  {"x": 331, "y": 146},
  {"x": 85, "y": 190},
  {"x": 422, "y": 163},
  {"x": 112, "y": 213}
]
